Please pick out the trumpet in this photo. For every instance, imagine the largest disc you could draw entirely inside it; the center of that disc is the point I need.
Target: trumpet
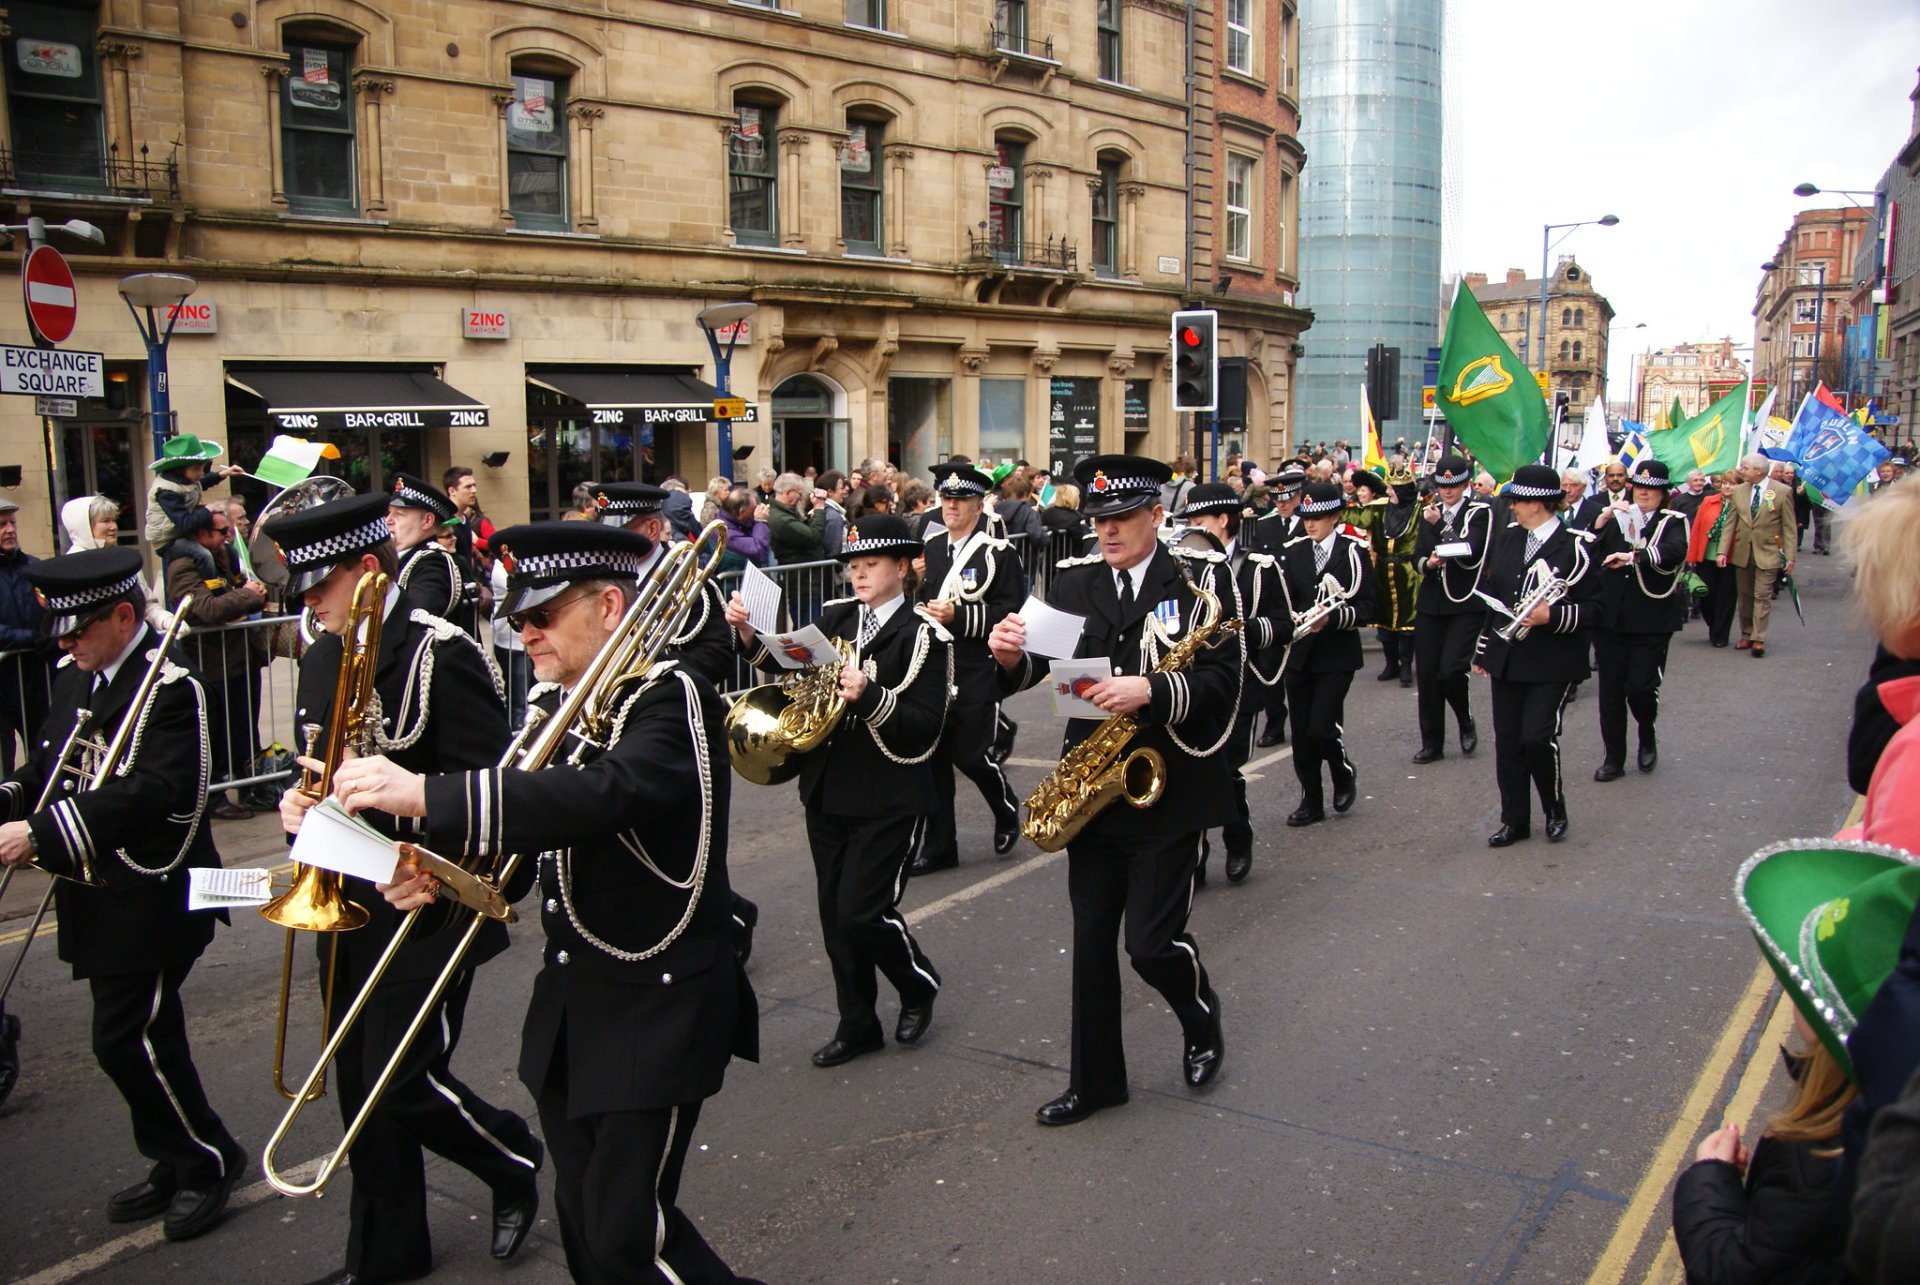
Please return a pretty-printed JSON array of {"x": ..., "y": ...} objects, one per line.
[
  {"x": 96, "y": 767},
  {"x": 1329, "y": 595},
  {"x": 771, "y": 724},
  {"x": 585, "y": 721},
  {"x": 1542, "y": 589}
]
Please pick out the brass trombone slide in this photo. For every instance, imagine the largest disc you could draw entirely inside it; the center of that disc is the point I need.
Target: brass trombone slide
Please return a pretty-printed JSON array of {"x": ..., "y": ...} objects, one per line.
[{"x": 584, "y": 719}]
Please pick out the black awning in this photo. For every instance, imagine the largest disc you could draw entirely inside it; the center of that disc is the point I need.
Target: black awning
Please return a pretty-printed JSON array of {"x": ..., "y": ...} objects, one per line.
[
  {"x": 356, "y": 397},
  {"x": 643, "y": 397}
]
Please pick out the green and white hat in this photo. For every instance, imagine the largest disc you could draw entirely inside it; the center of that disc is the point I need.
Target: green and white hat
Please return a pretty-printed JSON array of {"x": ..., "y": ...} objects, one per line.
[
  {"x": 185, "y": 449},
  {"x": 1830, "y": 916}
]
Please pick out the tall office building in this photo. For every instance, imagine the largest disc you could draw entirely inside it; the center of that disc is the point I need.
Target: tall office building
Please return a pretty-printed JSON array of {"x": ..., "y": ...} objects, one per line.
[{"x": 1371, "y": 210}]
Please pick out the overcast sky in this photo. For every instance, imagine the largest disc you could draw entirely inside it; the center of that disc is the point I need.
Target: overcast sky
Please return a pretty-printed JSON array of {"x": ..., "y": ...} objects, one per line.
[{"x": 1692, "y": 120}]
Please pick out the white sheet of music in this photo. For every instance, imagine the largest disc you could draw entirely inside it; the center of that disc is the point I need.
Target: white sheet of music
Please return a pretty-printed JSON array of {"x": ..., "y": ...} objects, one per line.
[
  {"x": 334, "y": 839},
  {"x": 1051, "y": 632},
  {"x": 212, "y": 888},
  {"x": 762, "y": 596}
]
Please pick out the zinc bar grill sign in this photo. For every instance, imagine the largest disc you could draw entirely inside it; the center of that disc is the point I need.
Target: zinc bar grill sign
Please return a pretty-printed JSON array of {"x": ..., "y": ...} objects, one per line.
[{"x": 312, "y": 399}]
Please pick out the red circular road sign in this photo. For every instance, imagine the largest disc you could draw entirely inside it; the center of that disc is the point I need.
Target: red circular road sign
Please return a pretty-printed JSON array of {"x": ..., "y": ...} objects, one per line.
[{"x": 51, "y": 301}]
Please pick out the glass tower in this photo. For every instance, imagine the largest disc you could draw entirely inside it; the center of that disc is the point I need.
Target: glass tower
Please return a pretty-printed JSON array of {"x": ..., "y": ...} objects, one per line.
[{"x": 1371, "y": 207}]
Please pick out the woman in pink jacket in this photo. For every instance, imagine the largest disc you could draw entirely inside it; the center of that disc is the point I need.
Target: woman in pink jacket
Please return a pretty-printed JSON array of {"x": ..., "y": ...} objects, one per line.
[{"x": 1881, "y": 540}]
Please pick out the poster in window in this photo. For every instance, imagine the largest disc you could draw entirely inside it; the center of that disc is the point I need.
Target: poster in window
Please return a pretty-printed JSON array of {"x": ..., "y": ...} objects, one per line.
[
  {"x": 49, "y": 58},
  {"x": 856, "y": 158},
  {"x": 1000, "y": 177},
  {"x": 1139, "y": 393},
  {"x": 1073, "y": 423},
  {"x": 531, "y": 111},
  {"x": 747, "y": 139},
  {"x": 315, "y": 89}
]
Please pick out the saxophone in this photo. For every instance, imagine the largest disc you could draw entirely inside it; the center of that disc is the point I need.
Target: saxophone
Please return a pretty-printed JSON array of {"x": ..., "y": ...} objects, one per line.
[{"x": 1101, "y": 769}]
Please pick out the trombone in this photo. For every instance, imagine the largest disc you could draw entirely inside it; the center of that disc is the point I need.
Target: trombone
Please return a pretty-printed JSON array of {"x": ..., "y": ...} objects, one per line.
[
  {"x": 317, "y": 901},
  {"x": 105, "y": 758},
  {"x": 584, "y": 720}
]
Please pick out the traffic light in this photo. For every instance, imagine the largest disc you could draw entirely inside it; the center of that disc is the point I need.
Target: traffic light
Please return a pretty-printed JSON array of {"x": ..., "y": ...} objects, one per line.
[{"x": 1196, "y": 360}]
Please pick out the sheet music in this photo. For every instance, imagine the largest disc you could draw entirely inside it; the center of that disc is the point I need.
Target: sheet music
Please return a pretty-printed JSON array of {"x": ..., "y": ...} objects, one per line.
[
  {"x": 762, "y": 596},
  {"x": 802, "y": 647},
  {"x": 334, "y": 839},
  {"x": 1454, "y": 549},
  {"x": 1494, "y": 602},
  {"x": 212, "y": 888},
  {"x": 1051, "y": 632}
]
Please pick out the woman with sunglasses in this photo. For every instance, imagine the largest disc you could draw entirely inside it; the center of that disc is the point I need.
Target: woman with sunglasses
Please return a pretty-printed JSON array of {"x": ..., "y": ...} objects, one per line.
[{"x": 868, "y": 789}]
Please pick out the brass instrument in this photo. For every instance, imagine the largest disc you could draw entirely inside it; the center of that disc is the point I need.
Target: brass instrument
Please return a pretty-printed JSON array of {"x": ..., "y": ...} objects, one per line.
[
  {"x": 96, "y": 767},
  {"x": 1542, "y": 589},
  {"x": 1328, "y": 596},
  {"x": 1100, "y": 769},
  {"x": 317, "y": 901},
  {"x": 584, "y": 721},
  {"x": 772, "y": 723}
]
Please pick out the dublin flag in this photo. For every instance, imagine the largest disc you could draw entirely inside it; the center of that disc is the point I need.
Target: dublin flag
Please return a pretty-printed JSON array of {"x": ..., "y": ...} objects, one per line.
[
  {"x": 1831, "y": 451},
  {"x": 1710, "y": 441},
  {"x": 1488, "y": 397}
]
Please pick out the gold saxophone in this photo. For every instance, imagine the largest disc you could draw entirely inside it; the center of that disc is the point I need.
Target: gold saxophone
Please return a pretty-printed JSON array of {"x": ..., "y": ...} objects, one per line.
[{"x": 1101, "y": 769}]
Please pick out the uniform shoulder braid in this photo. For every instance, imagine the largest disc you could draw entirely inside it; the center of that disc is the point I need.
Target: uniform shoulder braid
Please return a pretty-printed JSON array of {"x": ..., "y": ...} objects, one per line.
[
  {"x": 1189, "y": 554},
  {"x": 1084, "y": 560}
]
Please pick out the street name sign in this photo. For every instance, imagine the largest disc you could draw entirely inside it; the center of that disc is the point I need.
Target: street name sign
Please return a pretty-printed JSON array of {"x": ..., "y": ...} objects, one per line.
[{"x": 52, "y": 372}]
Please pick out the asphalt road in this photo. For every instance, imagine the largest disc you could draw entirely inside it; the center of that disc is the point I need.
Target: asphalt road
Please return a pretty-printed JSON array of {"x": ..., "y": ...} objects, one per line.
[{"x": 1444, "y": 1063}]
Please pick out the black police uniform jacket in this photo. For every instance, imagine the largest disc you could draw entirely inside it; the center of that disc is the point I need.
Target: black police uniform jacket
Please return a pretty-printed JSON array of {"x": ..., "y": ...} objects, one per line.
[
  {"x": 1647, "y": 597},
  {"x": 1190, "y": 715},
  {"x": 1555, "y": 652},
  {"x": 989, "y": 585},
  {"x": 1450, "y": 590},
  {"x": 1266, "y": 614},
  {"x": 137, "y": 834},
  {"x": 1336, "y": 647},
  {"x": 704, "y": 643},
  {"x": 442, "y": 709},
  {"x": 430, "y": 581},
  {"x": 640, "y": 979},
  {"x": 1271, "y": 533},
  {"x": 877, "y": 761}
]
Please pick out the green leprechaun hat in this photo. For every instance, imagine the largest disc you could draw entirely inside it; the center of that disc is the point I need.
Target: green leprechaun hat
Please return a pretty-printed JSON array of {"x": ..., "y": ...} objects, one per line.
[
  {"x": 1830, "y": 916},
  {"x": 178, "y": 452}
]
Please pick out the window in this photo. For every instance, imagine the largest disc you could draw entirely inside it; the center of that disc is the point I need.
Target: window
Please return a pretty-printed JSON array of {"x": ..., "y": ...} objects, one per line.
[
  {"x": 753, "y": 197},
  {"x": 1010, "y": 25},
  {"x": 1003, "y": 418},
  {"x": 1239, "y": 207},
  {"x": 1576, "y": 350},
  {"x": 1503, "y": 321},
  {"x": 861, "y": 176},
  {"x": 53, "y": 97},
  {"x": 1803, "y": 345},
  {"x": 1106, "y": 219},
  {"x": 1579, "y": 316},
  {"x": 1564, "y": 345},
  {"x": 1006, "y": 185},
  {"x": 537, "y": 151},
  {"x": 316, "y": 130},
  {"x": 1289, "y": 50},
  {"x": 1240, "y": 36},
  {"x": 867, "y": 13},
  {"x": 1803, "y": 310},
  {"x": 1566, "y": 316},
  {"x": 1289, "y": 214},
  {"x": 1107, "y": 18}
]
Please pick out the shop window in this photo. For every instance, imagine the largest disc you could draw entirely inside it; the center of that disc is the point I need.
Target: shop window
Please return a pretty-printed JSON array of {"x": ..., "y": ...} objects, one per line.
[
  {"x": 53, "y": 97},
  {"x": 537, "y": 150},
  {"x": 317, "y": 129},
  {"x": 753, "y": 175},
  {"x": 1003, "y": 419},
  {"x": 862, "y": 198}
]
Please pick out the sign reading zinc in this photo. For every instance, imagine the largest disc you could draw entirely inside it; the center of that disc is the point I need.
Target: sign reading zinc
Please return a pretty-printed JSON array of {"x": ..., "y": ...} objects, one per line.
[{"x": 54, "y": 372}]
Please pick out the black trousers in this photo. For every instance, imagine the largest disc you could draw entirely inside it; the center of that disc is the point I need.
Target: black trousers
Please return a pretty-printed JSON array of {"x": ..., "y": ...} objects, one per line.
[
  {"x": 1718, "y": 606},
  {"x": 1318, "y": 705},
  {"x": 1274, "y": 702},
  {"x": 1442, "y": 655},
  {"x": 616, "y": 1191},
  {"x": 1631, "y": 666},
  {"x": 964, "y": 743},
  {"x": 1147, "y": 884},
  {"x": 424, "y": 1105},
  {"x": 1526, "y": 745},
  {"x": 860, "y": 871},
  {"x": 1238, "y": 833},
  {"x": 140, "y": 1041}
]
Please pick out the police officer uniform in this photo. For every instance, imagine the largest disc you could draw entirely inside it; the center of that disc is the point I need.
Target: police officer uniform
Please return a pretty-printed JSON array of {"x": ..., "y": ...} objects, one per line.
[
  {"x": 1534, "y": 677},
  {"x": 868, "y": 791},
  {"x": 441, "y": 708},
  {"x": 1448, "y": 611},
  {"x": 1136, "y": 865},
  {"x": 1270, "y": 534},
  {"x": 982, "y": 577},
  {"x": 641, "y": 1002},
  {"x": 1321, "y": 665},
  {"x": 123, "y": 850},
  {"x": 1642, "y": 606},
  {"x": 1267, "y": 625},
  {"x": 429, "y": 579}
]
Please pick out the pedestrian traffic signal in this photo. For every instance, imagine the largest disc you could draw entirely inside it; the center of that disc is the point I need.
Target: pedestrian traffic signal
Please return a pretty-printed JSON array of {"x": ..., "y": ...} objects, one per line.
[{"x": 1196, "y": 360}]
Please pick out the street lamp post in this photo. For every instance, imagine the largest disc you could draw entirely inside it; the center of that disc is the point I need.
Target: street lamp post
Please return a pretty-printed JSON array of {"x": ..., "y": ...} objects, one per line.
[
  {"x": 719, "y": 317},
  {"x": 153, "y": 298},
  {"x": 1546, "y": 245}
]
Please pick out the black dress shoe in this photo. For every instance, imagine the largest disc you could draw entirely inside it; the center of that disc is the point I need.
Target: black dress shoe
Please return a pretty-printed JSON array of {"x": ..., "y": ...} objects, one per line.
[
  {"x": 1072, "y": 1108},
  {"x": 1201, "y": 1061},
  {"x": 1649, "y": 756},
  {"x": 1388, "y": 674},
  {"x": 1345, "y": 792},
  {"x": 1428, "y": 755},
  {"x": 1469, "y": 737},
  {"x": 1608, "y": 772},
  {"x": 1305, "y": 814},
  {"x": 194, "y": 1210},
  {"x": 836, "y": 1051},
  {"x": 514, "y": 1210},
  {"x": 1406, "y": 677},
  {"x": 1005, "y": 835},
  {"x": 913, "y": 1023},
  {"x": 1272, "y": 736},
  {"x": 1508, "y": 835},
  {"x": 922, "y": 865},
  {"x": 138, "y": 1203},
  {"x": 1238, "y": 864},
  {"x": 1556, "y": 827},
  {"x": 1004, "y": 730}
]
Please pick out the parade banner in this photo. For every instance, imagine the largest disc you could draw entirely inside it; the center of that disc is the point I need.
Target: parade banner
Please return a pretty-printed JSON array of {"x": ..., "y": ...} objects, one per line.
[{"x": 1486, "y": 394}]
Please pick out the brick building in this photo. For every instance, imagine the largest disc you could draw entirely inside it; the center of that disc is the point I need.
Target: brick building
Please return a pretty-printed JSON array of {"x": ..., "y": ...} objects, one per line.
[
  {"x": 1805, "y": 303},
  {"x": 1697, "y": 374},
  {"x": 1577, "y": 319}
]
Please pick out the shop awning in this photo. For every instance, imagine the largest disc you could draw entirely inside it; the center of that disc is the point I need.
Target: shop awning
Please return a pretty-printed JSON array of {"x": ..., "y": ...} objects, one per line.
[
  {"x": 643, "y": 397},
  {"x": 312, "y": 399}
]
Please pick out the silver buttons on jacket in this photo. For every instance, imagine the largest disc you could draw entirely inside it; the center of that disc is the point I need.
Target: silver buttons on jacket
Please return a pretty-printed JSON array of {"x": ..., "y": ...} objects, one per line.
[
  {"x": 553, "y": 906},
  {"x": 561, "y": 957},
  {"x": 666, "y": 979}
]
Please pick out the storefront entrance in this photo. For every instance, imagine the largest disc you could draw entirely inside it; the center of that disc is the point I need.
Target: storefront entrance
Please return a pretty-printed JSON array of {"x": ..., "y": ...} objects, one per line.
[{"x": 810, "y": 426}]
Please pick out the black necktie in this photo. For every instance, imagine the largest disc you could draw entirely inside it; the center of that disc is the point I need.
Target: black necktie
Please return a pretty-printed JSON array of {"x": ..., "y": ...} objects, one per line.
[{"x": 1126, "y": 591}]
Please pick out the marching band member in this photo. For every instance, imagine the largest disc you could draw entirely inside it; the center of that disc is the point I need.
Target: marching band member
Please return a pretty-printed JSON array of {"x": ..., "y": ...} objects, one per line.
[
  {"x": 443, "y": 710},
  {"x": 973, "y": 579},
  {"x": 1534, "y": 676},
  {"x": 1326, "y": 655},
  {"x": 641, "y": 1002},
  {"x": 1270, "y": 534},
  {"x": 1213, "y": 508},
  {"x": 868, "y": 789},
  {"x": 126, "y": 929},
  {"x": 429, "y": 578},
  {"x": 1447, "y": 616},
  {"x": 1642, "y": 548},
  {"x": 1387, "y": 510},
  {"x": 1136, "y": 865}
]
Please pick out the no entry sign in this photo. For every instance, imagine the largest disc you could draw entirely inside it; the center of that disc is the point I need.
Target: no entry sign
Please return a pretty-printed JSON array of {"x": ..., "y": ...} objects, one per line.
[{"x": 48, "y": 284}]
